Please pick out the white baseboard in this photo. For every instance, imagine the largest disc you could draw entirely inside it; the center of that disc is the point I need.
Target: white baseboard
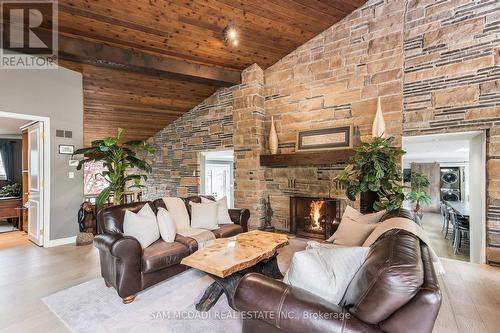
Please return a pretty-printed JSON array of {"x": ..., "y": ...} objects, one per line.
[{"x": 61, "y": 241}]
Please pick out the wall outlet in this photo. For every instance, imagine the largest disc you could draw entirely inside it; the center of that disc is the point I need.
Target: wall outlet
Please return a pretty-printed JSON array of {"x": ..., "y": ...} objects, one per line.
[{"x": 71, "y": 175}]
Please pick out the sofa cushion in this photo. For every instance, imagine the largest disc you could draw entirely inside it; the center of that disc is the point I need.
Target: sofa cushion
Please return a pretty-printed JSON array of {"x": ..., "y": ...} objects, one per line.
[
  {"x": 142, "y": 226},
  {"x": 161, "y": 255},
  {"x": 204, "y": 215},
  {"x": 222, "y": 210},
  {"x": 157, "y": 203},
  {"x": 390, "y": 277},
  {"x": 325, "y": 272},
  {"x": 177, "y": 208},
  {"x": 353, "y": 214},
  {"x": 190, "y": 243},
  {"x": 227, "y": 230},
  {"x": 166, "y": 225},
  {"x": 110, "y": 219},
  {"x": 351, "y": 233},
  {"x": 193, "y": 198}
]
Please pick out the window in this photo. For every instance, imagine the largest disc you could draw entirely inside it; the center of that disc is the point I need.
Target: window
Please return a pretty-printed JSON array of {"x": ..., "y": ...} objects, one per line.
[{"x": 3, "y": 175}]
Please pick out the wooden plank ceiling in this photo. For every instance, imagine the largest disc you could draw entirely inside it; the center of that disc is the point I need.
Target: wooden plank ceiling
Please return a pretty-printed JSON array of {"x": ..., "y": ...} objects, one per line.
[{"x": 146, "y": 62}]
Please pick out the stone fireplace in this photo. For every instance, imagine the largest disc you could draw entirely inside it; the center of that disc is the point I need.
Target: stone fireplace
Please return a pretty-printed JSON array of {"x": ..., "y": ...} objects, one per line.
[{"x": 313, "y": 217}]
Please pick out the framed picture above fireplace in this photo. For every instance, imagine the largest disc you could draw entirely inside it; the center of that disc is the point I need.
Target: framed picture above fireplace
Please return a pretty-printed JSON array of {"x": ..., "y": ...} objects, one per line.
[{"x": 324, "y": 139}]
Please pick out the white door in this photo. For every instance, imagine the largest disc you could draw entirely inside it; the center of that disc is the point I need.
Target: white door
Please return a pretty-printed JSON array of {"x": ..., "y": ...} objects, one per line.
[
  {"x": 35, "y": 183},
  {"x": 218, "y": 180}
]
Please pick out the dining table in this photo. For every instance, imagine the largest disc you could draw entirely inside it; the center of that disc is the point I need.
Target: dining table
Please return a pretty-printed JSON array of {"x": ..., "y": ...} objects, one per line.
[{"x": 460, "y": 207}]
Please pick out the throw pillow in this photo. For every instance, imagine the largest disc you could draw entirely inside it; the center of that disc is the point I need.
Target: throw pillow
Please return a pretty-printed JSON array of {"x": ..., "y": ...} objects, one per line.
[
  {"x": 146, "y": 211},
  {"x": 166, "y": 225},
  {"x": 204, "y": 215},
  {"x": 317, "y": 245},
  {"x": 353, "y": 214},
  {"x": 142, "y": 227},
  {"x": 351, "y": 233},
  {"x": 178, "y": 210},
  {"x": 222, "y": 210},
  {"x": 325, "y": 272}
]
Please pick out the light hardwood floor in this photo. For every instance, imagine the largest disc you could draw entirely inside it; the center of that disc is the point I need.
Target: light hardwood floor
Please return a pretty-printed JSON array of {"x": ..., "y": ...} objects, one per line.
[
  {"x": 433, "y": 224},
  {"x": 471, "y": 293}
]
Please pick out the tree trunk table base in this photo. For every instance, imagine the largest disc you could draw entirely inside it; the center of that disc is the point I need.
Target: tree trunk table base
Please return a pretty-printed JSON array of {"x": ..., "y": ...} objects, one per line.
[
  {"x": 227, "y": 260},
  {"x": 227, "y": 285}
]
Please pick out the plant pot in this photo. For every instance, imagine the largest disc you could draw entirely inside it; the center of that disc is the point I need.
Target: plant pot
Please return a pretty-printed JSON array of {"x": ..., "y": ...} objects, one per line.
[
  {"x": 367, "y": 199},
  {"x": 419, "y": 213}
]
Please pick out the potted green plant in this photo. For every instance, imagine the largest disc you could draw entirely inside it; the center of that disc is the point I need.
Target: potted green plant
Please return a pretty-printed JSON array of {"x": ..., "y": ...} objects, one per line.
[
  {"x": 375, "y": 174},
  {"x": 11, "y": 190},
  {"x": 118, "y": 159},
  {"x": 419, "y": 184}
]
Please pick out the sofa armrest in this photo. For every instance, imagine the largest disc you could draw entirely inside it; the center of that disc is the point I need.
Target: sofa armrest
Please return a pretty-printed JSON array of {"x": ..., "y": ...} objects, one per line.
[
  {"x": 292, "y": 309},
  {"x": 118, "y": 245},
  {"x": 120, "y": 258},
  {"x": 240, "y": 216}
]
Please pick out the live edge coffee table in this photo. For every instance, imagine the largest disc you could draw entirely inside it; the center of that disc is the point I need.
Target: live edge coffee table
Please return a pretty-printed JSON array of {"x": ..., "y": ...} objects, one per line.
[{"x": 227, "y": 260}]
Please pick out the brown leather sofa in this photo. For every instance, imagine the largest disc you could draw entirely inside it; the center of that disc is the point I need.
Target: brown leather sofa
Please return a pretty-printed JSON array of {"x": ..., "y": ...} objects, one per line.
[
  {"x": 395, "y": 290},
  {"x": 129, "y": 268}
]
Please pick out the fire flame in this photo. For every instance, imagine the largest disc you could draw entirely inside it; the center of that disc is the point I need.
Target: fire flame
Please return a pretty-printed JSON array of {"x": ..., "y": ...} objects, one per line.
[{"x": 316, "y": 214}]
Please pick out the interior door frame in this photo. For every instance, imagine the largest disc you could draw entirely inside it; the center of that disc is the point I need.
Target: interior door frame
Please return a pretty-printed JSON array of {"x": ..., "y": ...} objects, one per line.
[
  {"x": 203, "y": 159},
  {"x": 46, "y": 167},
  {"x": 480, "y": 231}
]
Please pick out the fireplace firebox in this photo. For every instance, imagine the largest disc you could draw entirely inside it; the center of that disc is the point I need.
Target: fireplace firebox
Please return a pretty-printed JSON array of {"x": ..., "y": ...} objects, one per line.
[{"x": 313, "y": 217}]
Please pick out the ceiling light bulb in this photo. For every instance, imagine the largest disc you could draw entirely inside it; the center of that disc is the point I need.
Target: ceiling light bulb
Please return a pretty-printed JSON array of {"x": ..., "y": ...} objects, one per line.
[
  {"x": 235, "y": 42},
  {"x": 232, "y": 34}
]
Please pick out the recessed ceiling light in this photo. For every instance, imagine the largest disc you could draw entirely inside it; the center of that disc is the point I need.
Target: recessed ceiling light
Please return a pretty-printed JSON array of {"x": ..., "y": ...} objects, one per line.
[{"x": 230, "y": 35}]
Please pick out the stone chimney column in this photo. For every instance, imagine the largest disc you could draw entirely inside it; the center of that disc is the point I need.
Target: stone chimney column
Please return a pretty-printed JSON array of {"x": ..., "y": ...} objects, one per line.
[{"x": 249, "y": 144}]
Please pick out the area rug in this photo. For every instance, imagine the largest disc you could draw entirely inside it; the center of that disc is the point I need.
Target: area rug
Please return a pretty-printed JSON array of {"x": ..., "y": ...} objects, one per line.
[{"x": 165, "y": 307}]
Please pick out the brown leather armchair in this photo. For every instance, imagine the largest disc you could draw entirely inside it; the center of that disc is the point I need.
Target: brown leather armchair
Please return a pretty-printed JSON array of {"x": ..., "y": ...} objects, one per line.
[
  {"x": 396, "y": 290},
  {"x": 129, "y": 268}
]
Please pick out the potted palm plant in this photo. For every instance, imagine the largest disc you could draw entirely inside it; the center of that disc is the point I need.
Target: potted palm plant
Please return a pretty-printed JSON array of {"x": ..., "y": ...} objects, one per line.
[
  {"x": 375, "y": 174},
  {"x": 419, "y": 184},
  {"x": 120, "y": 161}
]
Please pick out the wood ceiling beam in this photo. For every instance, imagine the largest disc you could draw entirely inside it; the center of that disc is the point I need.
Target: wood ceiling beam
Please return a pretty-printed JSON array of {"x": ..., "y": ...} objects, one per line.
[{"x": 126, "y": 59}]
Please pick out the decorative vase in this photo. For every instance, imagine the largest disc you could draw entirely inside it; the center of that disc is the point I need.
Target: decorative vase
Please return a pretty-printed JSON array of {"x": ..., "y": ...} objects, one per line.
[
  {"x": 273, "y": 138},
  {"x": 419, "y": 213},
  {"x": 378, "y": 128}
]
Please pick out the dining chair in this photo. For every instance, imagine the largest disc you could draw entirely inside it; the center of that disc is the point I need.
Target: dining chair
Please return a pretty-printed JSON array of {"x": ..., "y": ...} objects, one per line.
[
  {"x": 463, "y": 232},
  {"x": 447, "y": 222},
  {"x": 442, "y": 209},
  {"x": 460, "y": 231}
]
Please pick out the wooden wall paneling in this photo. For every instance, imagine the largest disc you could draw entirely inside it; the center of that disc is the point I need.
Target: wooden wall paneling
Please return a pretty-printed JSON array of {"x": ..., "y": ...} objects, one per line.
[
  {"x": 146, "y": 63},
  {"x": 140, "y": 104}
]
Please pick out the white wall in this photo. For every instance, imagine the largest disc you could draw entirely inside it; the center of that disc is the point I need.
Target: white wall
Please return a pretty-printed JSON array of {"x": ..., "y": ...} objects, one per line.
[
  {"x": 477, "y": 203},
  {"x": 57, "y": 94}
]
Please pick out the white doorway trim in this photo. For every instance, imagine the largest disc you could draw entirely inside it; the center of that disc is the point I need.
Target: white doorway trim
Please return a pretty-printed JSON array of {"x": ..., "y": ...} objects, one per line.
[
  {"x": 225, "y": 156},
  {"x": 46, "y": 172},
  {"x": 477, "y": 166},
  {"x": 477, "y": 141}
]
